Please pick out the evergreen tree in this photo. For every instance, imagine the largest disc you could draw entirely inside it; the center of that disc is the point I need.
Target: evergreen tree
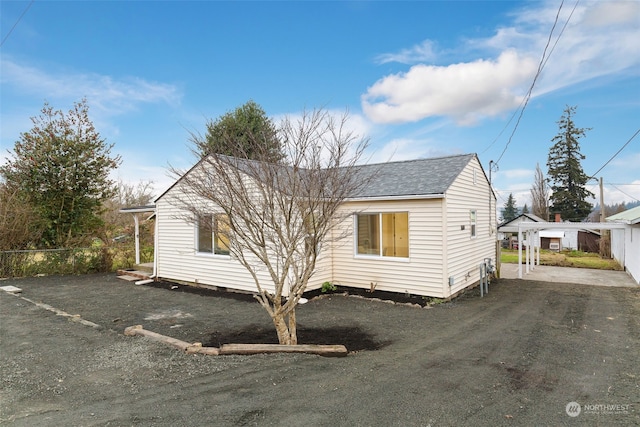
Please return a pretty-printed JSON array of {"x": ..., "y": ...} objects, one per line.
[
  {"x": 61, "y": 167},
  {"x": 565, "y": 173},
  {"x": 525, "y": 209},
  {"x": 510, "y": 210},
  {"x": 246, "y": 132}
]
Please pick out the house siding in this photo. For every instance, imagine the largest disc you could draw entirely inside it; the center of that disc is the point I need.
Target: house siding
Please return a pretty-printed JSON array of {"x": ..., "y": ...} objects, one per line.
[
  {"x": 464, "y": 252},
  {"x": 632, "y": 254},
  {"x": 177, "y": 258},
  {"x": 438, "y": 246},
  {"x": 625, "y": 248},
  {"x": 420, "y": 274}
]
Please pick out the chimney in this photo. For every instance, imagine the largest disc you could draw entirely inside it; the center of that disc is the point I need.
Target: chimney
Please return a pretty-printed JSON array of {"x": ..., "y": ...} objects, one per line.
[{"x": 558, "y": 218}]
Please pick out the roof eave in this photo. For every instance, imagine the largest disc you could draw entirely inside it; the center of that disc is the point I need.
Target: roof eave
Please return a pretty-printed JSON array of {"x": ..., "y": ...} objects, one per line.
[{"x": 393, "y": 198}]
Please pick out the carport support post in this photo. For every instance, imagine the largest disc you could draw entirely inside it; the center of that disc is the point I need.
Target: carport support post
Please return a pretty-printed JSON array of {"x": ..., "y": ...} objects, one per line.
[
  {"x": 539, "y": 245},
  {"x": 519, "y": 253},
  {"x": 527, "y": 252}
]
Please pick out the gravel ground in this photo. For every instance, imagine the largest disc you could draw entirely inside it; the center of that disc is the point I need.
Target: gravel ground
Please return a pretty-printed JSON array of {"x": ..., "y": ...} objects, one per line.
[{"x": 515, "y": 357}]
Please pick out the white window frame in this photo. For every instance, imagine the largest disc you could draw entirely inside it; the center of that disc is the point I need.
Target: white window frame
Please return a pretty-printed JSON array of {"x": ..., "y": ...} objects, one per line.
[
  {"x": 211, "y": 253},
  {"x": 379, "y": 255},
  {"x": 473, "y": 223}
]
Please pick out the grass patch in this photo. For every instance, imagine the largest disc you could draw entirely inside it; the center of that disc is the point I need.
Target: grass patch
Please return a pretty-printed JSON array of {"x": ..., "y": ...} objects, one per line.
[{"x": 564, "y": 259}]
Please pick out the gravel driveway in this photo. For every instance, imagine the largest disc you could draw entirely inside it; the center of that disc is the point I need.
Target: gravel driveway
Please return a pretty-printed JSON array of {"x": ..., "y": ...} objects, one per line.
[{"x": 518, "y": 356}]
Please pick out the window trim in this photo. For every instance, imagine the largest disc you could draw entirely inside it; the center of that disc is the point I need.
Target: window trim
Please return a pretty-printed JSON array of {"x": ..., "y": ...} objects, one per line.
[
  {"x": 473, "y": 223},
  {"x": 212, "y": 253},
  {"x": 380, "y": 237}
]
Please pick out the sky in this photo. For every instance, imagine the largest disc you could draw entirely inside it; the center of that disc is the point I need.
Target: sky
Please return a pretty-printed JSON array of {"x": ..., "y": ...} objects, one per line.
[{"x": 419, "y": 79}]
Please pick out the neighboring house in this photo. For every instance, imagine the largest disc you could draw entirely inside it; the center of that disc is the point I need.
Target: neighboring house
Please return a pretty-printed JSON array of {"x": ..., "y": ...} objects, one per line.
[
  {"x": 422, "y": 227},
  {"x": 509, "y": 228},
  {"x": 555, "y": 240},
  {"x": 625, "y": 243}
]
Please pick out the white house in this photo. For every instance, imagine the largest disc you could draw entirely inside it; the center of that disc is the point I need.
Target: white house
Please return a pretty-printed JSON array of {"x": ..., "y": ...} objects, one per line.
[
  {"x": 422, "y": 227},
  {"x": 625, "y": 242}
]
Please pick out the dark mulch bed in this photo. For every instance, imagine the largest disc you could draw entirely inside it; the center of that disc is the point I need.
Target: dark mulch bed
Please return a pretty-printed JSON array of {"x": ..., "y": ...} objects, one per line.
[
  {"x": 240, "y": 296},
  {"x": 353, "y": 338}
]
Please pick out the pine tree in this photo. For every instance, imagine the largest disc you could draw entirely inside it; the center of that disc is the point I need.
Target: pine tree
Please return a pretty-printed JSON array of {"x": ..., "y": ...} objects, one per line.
[
  {"x": 510, "y": 210},
  {"x": 246, "y": 132},
  {"x": 525, "y": 209},
  {"x": 565, "y": 173}
]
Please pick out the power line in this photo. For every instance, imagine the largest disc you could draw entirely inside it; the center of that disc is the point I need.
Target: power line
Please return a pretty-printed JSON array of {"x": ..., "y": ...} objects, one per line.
[
  {"x": 614, "y": 156},
  {"x": 543, "y": 62},
  {"x": 16, "y": 24},
  {"x": 626, "y": 194}
]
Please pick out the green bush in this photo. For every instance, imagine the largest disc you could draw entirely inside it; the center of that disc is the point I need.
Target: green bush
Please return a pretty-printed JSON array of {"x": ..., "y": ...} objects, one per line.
[{"x": 328, "y": 287}]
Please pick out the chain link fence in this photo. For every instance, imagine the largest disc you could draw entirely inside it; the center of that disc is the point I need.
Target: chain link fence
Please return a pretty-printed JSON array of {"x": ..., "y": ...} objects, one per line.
[{"x": 26, "y": 263}]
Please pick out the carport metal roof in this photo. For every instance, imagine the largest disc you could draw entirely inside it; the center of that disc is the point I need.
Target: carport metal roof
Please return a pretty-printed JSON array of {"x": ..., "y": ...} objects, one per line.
[{"x": 535, "y": 227}]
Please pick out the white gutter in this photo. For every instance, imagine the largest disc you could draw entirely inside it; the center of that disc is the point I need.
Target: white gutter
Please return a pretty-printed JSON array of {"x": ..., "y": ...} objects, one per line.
[{"x": 406, "y": 197}]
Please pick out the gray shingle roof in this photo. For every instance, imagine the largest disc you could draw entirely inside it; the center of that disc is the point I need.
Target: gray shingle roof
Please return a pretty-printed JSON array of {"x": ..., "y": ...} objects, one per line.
[
  {"x": 414, "y": 177},
  {"x": 420, "y": 177}
]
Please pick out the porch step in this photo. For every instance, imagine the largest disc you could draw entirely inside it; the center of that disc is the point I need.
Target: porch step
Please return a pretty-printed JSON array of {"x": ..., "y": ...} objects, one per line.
[
  {"x": 146, "y": 267},
  {"x": 135, "y": 274}
]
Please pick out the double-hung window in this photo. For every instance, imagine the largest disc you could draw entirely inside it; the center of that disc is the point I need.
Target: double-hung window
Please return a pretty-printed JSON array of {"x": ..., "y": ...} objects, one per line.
[
  {"x": 213, "y": 234},
  {"x": 474, "y": 221},
  {"x": 383, "y": 234}
]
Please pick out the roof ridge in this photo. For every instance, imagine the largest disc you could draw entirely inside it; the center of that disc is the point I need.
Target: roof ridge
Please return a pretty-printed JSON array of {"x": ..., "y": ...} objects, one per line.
[{"x": 419, "y": 160}]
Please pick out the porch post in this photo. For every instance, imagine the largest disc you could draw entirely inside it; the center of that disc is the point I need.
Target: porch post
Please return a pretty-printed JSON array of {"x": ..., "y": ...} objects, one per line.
[{"x": 137, "y": 237}]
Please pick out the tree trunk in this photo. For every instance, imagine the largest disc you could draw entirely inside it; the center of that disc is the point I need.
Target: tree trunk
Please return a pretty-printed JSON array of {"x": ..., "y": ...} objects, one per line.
[{"x": 286, "y": 330}]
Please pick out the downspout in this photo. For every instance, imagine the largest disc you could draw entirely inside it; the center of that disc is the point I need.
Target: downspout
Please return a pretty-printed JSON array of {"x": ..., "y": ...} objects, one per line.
[{"x": 155, "y": 245}]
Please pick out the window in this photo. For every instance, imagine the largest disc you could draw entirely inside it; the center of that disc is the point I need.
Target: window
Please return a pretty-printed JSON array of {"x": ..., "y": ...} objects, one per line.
[
  {"x": 383, "y": 234},
  {"x": 213, "y": 235},
  {"x": 221, "y": 234},
  {"x": 473, "y": 220},
  {"x": 205, "y": 236}
]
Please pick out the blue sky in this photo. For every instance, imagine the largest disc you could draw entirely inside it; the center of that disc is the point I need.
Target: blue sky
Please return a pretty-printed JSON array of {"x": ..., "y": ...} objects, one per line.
[{"x": 420, "y": 78}]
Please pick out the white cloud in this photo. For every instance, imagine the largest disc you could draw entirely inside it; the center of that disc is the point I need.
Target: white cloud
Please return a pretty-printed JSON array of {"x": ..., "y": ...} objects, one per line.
[
  {"x": 105, "y": 93},
  {"x": 133, "y": 172},
  {"x": 419, "y": 53},
  {"x": 403, "y": 149},
  {"x": 464, "y": 91},
  {"x": 600, "y": 39}
]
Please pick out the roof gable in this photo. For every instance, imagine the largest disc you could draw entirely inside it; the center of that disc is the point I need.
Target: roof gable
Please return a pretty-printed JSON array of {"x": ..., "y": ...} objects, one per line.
[
  {"x": 420, "y": 177},
  {"x": 522, "y": 217}
]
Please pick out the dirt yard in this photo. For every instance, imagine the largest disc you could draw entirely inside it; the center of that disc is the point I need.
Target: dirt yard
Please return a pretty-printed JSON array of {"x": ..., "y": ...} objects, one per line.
[{"x": 518, "y": 356}]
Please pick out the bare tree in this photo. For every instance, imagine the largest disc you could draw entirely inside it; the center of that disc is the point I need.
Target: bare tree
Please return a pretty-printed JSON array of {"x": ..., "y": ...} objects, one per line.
[
  {"x": 540, "y": 195},
  {"x": 20, "y": 226},
  {"x": 278, "y": 217},
  {"x": 125, "y": 195}
]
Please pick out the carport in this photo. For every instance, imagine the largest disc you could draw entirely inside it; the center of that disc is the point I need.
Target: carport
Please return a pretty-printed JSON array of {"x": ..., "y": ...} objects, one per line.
[{"x": 531, "y": 232}]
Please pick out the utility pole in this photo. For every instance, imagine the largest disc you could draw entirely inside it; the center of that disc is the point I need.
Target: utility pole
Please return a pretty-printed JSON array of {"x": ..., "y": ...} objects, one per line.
[{"x": 601, "y": 201}]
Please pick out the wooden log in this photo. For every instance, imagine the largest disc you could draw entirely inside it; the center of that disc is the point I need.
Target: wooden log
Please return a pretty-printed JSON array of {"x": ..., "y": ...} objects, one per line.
[
  {"x": 322, "y": 350},
  {"x": 210, "y": 351},
  {"x": 139, "y": 330},
  {"x": 182, "y": 345}
]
